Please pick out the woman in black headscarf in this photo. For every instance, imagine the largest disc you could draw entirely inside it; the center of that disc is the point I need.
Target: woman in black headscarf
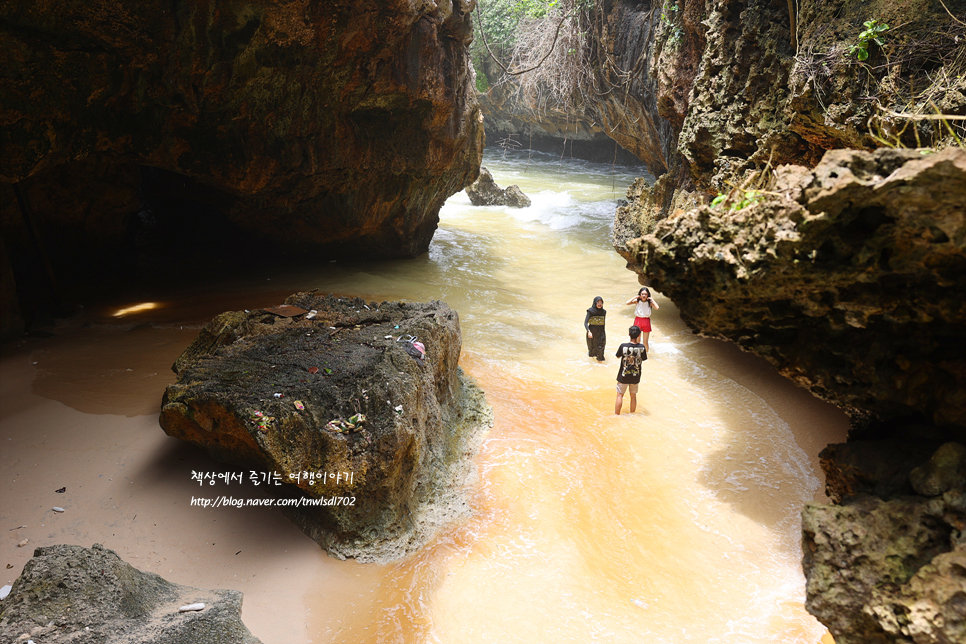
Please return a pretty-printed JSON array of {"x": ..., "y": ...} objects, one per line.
[{"x": 594, "y": 323}]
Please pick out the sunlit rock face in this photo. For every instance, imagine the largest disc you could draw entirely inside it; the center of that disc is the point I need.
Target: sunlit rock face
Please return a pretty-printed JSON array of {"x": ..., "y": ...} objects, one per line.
[
  {"x": 847, "y": 277},
  {"x": 338, "y": 127},
  {"x": 843, "y": 268}
]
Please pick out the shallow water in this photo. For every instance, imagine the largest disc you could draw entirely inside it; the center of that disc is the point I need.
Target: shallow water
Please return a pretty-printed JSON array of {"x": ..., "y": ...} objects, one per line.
[{"x": 677, "y": 524}]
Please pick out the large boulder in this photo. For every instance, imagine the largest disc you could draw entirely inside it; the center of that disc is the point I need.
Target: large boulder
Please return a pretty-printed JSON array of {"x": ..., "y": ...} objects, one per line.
[
  {"x": 89, "y": 596},
  {"x": 282, "y": 390},
  {"x": 336, "y": 126},
  {"x": 485, "y": 192}
]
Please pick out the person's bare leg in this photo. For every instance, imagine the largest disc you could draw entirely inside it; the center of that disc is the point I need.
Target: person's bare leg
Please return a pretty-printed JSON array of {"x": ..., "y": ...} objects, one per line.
[
  {"x": 644, "y": 337},
  {"x": 619, "y": 404},
  {"x": 633, "y": 402}
]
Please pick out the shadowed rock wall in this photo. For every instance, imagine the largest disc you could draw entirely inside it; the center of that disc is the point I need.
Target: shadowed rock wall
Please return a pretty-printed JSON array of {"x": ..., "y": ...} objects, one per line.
[{"x": 334, "y": 127}]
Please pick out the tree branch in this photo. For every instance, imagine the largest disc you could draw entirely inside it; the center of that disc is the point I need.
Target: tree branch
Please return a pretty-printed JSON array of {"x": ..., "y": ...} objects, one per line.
[{"x": 556, "y": 35}]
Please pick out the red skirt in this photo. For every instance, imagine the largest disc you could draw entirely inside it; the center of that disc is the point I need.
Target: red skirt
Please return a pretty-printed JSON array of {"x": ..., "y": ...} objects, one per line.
[{"x": 644, "y": 324}]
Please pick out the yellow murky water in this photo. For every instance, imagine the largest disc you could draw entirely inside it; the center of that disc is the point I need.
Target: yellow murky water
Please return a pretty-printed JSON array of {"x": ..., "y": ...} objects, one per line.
[
  {"x": 676, "y": 524},
  {"x": 679, "y": 523}
]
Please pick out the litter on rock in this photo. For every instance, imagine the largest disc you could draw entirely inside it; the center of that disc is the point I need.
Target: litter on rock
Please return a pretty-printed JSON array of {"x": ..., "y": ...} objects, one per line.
[
  {"x": 191, "y": 607},
  {"x": 298, "y": 405},
  {"x": 409, "y": 343},
  {"x": 56, "y": 509},
  {"x": 342, "y": 426},
  {"x": 262, "y": 422},
  {"x": 311, "y": 314},
  {"x": 5, "y": 591},
  {"x": 286, "y": 311}
]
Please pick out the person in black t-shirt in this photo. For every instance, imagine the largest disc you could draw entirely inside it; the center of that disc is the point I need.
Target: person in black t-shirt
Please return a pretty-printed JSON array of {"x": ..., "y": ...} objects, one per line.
[{"x": 632, "y": 354}]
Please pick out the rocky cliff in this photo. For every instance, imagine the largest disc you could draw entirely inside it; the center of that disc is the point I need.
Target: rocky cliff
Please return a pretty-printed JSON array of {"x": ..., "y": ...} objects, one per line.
[
  {"x": 841, "y": 267},
  {"x": 756, "y": 88},
  {"x": 338, "y": 128}
]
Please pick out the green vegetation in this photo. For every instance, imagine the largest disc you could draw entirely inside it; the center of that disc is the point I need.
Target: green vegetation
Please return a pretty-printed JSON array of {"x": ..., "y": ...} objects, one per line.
[
  {"x": 540, "y": 44},
  {"x": 743, "y": 199},
  {"x": 676, "y": 31},
  {"x": 872, "y": 34}
]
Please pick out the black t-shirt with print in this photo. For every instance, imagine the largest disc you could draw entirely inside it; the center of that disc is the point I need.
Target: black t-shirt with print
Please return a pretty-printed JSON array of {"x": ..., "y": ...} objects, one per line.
[{"x": 631, "y": 355}]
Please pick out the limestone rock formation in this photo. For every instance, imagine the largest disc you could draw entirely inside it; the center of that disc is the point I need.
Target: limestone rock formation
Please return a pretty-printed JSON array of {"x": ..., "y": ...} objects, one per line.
[
  {"x": 848, "y": 278},
  {"x": 843, "y": 269},
  {"x": 90, "y": 596},
  {"x": 889, "y": 566},
  {"x": 284, "y": 394},
  {"x": 338, "y": 128},
  {"x": 625, "y": 91},
  {"x": 485, "y": 192}
]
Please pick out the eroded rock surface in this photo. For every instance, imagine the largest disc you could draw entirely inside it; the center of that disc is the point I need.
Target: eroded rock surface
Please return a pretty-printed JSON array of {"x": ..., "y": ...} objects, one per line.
[
  {"x": 889, "y": 566},
  {"x": 90, "y": 596},
  {"x": 405, "y": 464},
  {"x": 485, "y": 192},
  {"x": 844, "y": 269},
  {"x": 848, "y": 278}
]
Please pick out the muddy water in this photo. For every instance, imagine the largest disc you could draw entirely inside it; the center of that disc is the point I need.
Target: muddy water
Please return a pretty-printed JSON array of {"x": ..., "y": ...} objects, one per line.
[{"x": 677, "y": 524}]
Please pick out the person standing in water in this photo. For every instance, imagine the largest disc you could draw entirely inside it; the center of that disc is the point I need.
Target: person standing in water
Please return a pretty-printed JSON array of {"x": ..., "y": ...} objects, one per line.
[
  {"x": 632, "y": 355},
  {"x": 642, "y": 314},
  {"x": 594, "y": 324}
]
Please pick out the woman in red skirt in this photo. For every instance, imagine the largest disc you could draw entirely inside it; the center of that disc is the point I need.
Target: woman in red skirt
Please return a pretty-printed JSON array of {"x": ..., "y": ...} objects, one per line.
[{"x": 642, "y": 313}]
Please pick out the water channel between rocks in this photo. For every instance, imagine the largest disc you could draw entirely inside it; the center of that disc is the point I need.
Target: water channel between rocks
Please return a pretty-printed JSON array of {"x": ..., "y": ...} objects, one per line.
[{"x": 677, "y": 524}]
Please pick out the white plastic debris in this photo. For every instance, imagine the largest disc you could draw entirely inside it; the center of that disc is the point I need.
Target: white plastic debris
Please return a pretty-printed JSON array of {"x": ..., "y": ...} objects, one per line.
[
  {"x": 311, "y": 314},
  {"x": 56, "y": 509},
  {"x": 191, "y": 607},
  {"x": 5, "y": 591},
  {"x": 398, "y": 408}
]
